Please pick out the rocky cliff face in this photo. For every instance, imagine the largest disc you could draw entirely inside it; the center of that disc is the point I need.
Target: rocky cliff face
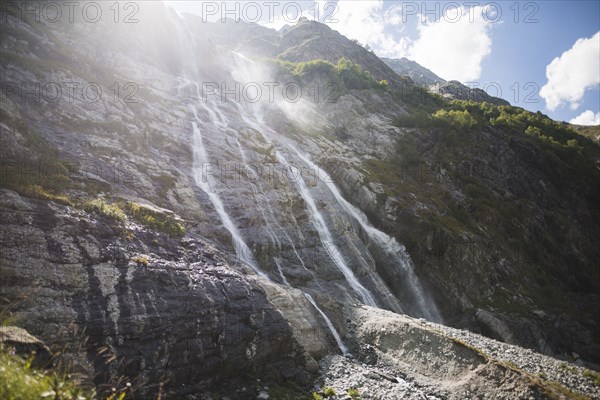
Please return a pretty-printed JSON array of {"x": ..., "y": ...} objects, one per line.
[
  {"x": 419, "y": 74},
  {"x": 456, "y": 90},
  {"x": 201, "y": 238},
  {"x": 169, "y": 315}
]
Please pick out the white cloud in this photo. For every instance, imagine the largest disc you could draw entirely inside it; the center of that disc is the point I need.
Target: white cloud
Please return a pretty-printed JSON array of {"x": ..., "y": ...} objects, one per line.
[
  {"x": 366, "y": 22},
  {"x": 571, "y": 74},
  {"x": 455, "y": 45},
  {"x": 284, "y": 14},
  {"x": 586, "y": 118}
]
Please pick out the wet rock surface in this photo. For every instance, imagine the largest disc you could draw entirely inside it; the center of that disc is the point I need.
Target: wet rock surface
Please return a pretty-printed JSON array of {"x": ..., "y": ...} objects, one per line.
[
  {"x": 183, "y": 315},
  {"x": 175, "y": 315}
]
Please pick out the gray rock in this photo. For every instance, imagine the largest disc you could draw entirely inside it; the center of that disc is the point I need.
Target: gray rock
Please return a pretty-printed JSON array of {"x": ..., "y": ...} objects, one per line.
[
  {"x": 26, "y": 345},
  {"x": 263, "y": 395}
]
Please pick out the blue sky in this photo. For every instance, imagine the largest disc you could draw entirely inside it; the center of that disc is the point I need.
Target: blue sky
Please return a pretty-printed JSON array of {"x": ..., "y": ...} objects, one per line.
[
  {"x": 521, "y": 52},
  {"x": 505, "y": 45}
]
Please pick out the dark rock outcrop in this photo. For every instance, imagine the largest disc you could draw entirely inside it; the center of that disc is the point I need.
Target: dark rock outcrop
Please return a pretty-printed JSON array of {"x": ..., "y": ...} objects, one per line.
[{"x": 163, "y": 313}]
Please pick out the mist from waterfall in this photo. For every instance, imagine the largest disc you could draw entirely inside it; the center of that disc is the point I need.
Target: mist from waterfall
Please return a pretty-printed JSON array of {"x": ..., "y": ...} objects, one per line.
[
  {"x": 245, "y": 70},
  {"x": 207, "y": 183}
]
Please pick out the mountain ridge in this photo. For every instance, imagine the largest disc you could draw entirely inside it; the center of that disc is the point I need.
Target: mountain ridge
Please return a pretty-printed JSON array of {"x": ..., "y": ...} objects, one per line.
[{"x": 419, "y": 74}]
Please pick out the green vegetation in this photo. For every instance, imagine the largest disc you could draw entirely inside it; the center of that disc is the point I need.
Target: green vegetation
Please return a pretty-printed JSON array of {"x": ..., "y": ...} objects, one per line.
[
  {"x": 328, "y": 391},
  {"x": 39, "y": 192},
  {"x": 457, "y": 125},
  {"x": 141, "y": 260},
  {"x": 316, "y": 396},
  {"x": 117, "y": 211},
  {"x": 154, "y": 219},
  {"x": 455, "y": 119},
  {"x": 20, "y": 381},
  {"x": 100, "y": 207},
  {"x": 354, "y": 394},
  {"x": 593, "y": 375},
  {"x": 455, "y": 150},
  {"x": 433, "y": 111},
  {"x": 339, "y": 78}
]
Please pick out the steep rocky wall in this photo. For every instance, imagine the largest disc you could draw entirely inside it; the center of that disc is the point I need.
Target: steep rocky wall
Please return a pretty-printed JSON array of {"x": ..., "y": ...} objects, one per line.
[
  {"x": 172, "y": 315},
  {"x": 142, "y": 151}
]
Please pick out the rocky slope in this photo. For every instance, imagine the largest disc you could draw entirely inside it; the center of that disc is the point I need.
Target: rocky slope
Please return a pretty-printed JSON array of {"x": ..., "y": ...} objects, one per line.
[
  {"x": 206, "y": 240},
  {"x": 419, "y": 74},
  {"x": 449, "y": 89},
  {"x": 401, "y": 357},
  {"x": 167, "y": 314},
  {"x": 459, "y": 91}
]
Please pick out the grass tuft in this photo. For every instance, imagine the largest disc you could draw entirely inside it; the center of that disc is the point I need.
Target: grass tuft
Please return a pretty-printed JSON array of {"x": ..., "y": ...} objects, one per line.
[{"x": 19, "y": 380}]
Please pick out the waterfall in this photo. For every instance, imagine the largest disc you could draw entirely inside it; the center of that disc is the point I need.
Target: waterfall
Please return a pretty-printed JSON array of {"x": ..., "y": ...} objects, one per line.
[
  {"x": 326, "y": 237},
  {"x": 390, "y": 246},
  {"x": 393, "y": 250},
  {"x": 206, "y": 183},
  {"x": 335, "y": 334},
  {"x": 259, "y": 192},
  {"x": 316, "y": 217},
  {"x": 256, "y": 188}
]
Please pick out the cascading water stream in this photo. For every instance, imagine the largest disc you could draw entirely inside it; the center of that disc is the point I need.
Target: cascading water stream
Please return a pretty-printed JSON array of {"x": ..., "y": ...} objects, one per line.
[
  {"x": 256, "y": 188},
  {"x": 325, "y": 235},
  {"x": 335, "y": 334},
  {"x": 205, "y": 182},
  {"x": 317, "y": 218},
  {"x": 243, "y": 252},
  {"x": 259, "y": 192},
  {"x": 390, "y": 246},
  {"x": 393, "y": 250}
]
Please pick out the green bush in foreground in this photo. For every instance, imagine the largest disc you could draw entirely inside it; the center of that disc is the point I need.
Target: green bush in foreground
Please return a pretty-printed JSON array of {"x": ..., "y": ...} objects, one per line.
[{"x": 19, "y": 381}]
